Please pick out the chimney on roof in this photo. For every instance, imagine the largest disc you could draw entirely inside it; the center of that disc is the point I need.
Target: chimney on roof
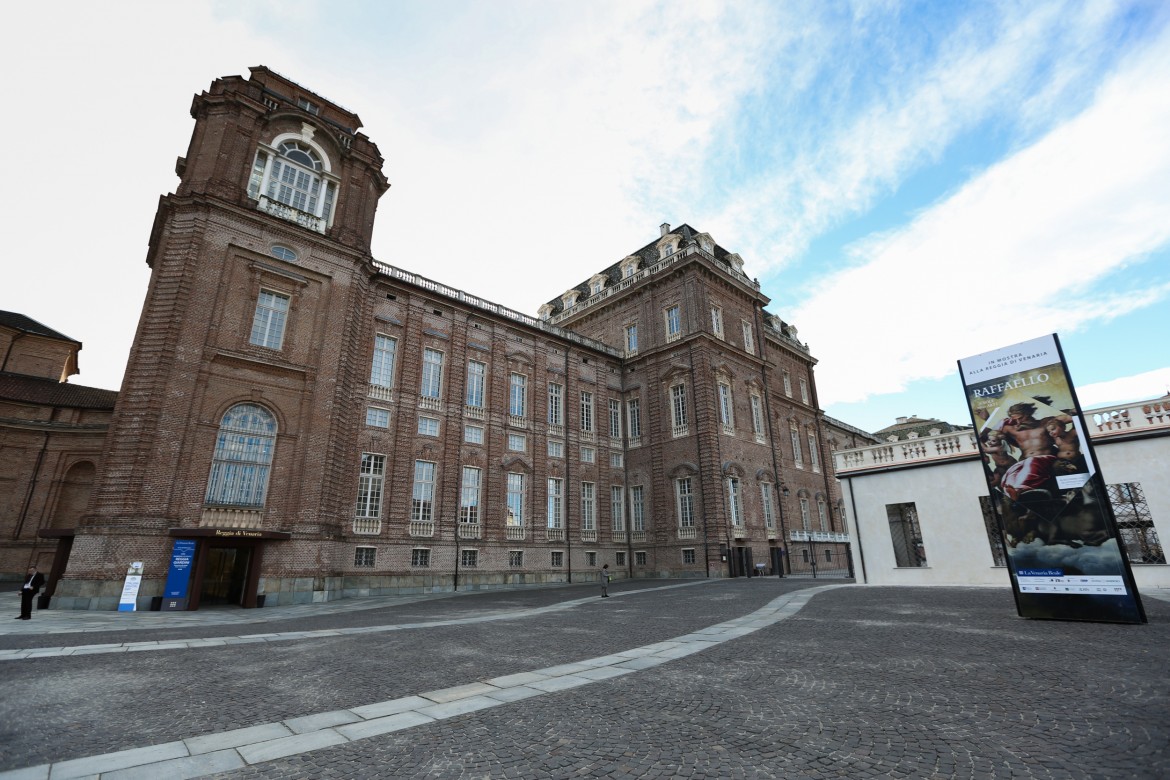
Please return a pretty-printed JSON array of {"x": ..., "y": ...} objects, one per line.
[
  {"x": 902, "y": 420},
  {"x": 664, "y": 228}
]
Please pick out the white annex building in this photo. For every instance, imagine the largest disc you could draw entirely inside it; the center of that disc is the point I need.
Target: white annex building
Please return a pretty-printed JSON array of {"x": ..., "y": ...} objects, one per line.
[{"x": 919, "y": 511}]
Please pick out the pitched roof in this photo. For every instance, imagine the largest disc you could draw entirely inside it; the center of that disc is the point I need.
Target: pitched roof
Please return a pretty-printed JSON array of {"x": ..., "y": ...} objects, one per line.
[
  {"x": 47, "y": 392},
  {"x": 917, "y": 425},
  {"x": 11, "y": 319}
]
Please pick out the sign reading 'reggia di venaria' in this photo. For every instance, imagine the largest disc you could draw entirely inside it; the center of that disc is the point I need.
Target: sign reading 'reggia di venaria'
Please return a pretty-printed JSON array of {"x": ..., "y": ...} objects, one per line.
[{"x": 1059, "y": 533}]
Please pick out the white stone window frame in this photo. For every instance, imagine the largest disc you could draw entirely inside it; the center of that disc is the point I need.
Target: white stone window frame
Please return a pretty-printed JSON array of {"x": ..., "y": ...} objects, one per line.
[
  {"x": 261, "y": 179},
  {"x": 518, "y": 394},
  {"x": 377, "y": 417},
  {"x": 672, "y": 321},
  {"x": 717, "y": 321},
  {"x": 588, "y": 506},
  {"x": 597, "y": 284},
  {"x": 269, "y": 322},
  {"x": 476, "y": 384},
  {"x": 384, "y": 360},
  {"x": 804, "y": 396},
  {"x": 588, "y": 455},
  {"x": 473, "y": 434},
  {"x": 556, "y": 502},
  {"x": 556, "y": 448},
  {"x": 685, "y": 502},
  {"x": 469, "y": 494},
  {"x": 431, "y": 376},
  {"x": 749, "y": 338},
  {"x": 668, "y": 245},
  {"x": 517, "y": 442},
  {"x": 428, "y": 426},
  {"x": 516, "y": 496}
]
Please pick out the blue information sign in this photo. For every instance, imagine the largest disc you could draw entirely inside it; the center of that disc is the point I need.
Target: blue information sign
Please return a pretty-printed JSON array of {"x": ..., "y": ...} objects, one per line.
[{"x": 180, "y": 572}]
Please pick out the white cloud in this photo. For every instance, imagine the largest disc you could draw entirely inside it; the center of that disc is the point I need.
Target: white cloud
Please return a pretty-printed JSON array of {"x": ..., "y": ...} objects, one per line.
[
  {"x": 1127, "y": 389},
  {"x": 1019, "y": 251}
]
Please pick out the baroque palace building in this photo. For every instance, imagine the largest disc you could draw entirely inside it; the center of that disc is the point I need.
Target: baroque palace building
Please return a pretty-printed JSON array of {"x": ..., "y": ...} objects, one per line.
[{"x": 318, "y": 424}]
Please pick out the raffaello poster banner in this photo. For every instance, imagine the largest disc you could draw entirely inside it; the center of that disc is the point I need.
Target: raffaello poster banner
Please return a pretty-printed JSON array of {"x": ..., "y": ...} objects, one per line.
[{"x": 1060, "y": 537}]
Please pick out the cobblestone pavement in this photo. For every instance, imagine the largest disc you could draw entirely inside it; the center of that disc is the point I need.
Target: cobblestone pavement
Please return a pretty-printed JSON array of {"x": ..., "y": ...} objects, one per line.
[{"x": 664, "y": 680}]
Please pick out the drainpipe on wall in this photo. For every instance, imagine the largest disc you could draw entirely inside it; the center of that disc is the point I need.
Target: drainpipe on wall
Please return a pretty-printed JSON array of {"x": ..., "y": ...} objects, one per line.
[
  {"x": 772, "y": 439},
  {"x": 32, "y": 484}
]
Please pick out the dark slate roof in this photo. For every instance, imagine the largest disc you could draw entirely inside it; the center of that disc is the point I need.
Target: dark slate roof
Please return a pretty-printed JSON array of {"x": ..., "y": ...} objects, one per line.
[
  {"x": 917, "y": 425},
  {"x": 46, "y": 392},
  {"x": 649, "y": 256},
  {"x": 11, "y": 319}
]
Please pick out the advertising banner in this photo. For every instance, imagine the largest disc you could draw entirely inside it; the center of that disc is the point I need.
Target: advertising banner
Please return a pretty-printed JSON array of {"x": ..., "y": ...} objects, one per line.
[
  {"x": 179, "y": 575},
  {"x": 1063, "y": 550}
]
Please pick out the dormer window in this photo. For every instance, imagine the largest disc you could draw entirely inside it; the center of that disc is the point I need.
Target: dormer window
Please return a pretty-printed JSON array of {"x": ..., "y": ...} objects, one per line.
[
  {"x": 545, "y": 311},
  {"x": 668, "y": 246},
  {"x": 596, "y": 284},
  {"x": 569, "y": 299},
  {"x": 292, "y": 181},
  {"x": 629, "y": 267}
]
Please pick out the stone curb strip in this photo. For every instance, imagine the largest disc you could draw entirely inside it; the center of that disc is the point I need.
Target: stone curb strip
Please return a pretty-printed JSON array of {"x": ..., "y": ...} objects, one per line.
[
  {"x": 285, "y": 636},
  {"x": 228, "y": 750}
]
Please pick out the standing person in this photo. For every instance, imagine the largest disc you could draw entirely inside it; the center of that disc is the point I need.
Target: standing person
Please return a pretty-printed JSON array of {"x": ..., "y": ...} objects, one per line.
[
  {"x": 32, "y": 586},
  {"x": 605, "y": 581}
]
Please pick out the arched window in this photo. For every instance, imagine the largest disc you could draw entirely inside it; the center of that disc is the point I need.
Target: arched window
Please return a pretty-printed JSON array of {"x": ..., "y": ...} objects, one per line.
[
  {"x": 293, "y": 174},
  {"x": 243, "y": 457}
]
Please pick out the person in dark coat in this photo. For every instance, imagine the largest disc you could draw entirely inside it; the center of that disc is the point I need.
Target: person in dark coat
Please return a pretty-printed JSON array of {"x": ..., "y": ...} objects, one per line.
[
  {"x": 605, "y": 581},
  {"x": 31, "y": 587}
]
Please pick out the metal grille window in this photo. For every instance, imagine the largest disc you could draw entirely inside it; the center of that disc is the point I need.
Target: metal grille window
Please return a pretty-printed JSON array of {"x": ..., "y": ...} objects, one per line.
[
  {"x": 385, "y": 353},
  {"x": 515, "y": 558},
  {"x": 518, "y": 396},
  {"x": 678, "y": 408},
  {"x": 994, "y": 534},
  {"x": 734, "y": 505},
  {"x": 1135, "y": 523},
  {"x": 619, "y": 558},
  {"x": 469, "y": 558},
  {"x": 686, "y": 502},
  {"x": 588, "y": 506},
  {"x": 906, "y": 535},
  {"x": 422, "y": 501},
  {"x": 688, "y": 556},
  {"x": 634, "y": 418},
  {"x": 557, "y": 559},
  {"x": 469, "y": 501},
  {"x": 556, "y": 405},
  {"x": 616, "y": 507},
  {"x": 637, "y": 509},
  {"x": 515, "y": 499},
  {"x": 243, "y": 457},
  {"x": 420, "y": 557},
  {"x": 555, "y": 498},
  {"x": 476, "y": 372},
  {"x": 370, "y": 482},
  {"x": 432, "y": 373},
  {"x": 586, "y": 411},
  {"x": 639, "y": 558},
  {"x": 269, "y": 320},
  {"x": 363, "y": 557},
  {"x": 766, "y": 502},
  {"x": 591, "y": 558}
]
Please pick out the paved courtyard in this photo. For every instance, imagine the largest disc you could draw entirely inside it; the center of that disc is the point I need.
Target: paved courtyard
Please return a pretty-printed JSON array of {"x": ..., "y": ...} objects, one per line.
[{"x": 702, "y": 679}]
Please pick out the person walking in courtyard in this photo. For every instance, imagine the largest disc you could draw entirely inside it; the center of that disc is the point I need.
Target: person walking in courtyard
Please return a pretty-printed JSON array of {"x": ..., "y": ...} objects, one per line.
[
  {"x": 32, "y": 586},
  {"x": 605, "y": 581}
]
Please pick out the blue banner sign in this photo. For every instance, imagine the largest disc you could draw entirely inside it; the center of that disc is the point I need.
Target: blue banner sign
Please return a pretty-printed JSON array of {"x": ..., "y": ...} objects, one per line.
[{"x": 179, "y": 574}]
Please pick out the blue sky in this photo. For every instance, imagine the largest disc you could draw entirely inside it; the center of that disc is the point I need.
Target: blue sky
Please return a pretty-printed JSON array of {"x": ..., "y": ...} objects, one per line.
[{"x": 912, "y": 183}]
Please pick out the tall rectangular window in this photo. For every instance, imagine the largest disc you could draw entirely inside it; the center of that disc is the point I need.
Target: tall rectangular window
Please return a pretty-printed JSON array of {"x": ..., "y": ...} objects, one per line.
[
  {"x": 797, "y": 455},
  {"x": 615, "y": 418},
  {"x": 588, "y": 506},
  {"x": 787, "y": 383},
  {"x": 385, "y": 354},
  {"x": 469, "y": 500},
  {"x": 423, "y": 499},
  {"x": 432, "y": 373},
  {"x": 476, "y": 374},
  {"x": 749, "y": 338},
  {"x": 734, "y": 502},
  {"x": 371, "y": 479},
  {"x": 515, "y": 499},
  {"x": 616, "y": 507},
  {"x": 823, "y": 514},
  {"x": 757, "y": 415},
  {"x": 766, "y": 502},
  {"x": 686, "y": 502},
  {"x": 726, "y": 412},
  {"x": 804, "y": 389},
  {"x": 631, "y": 339},
  {"x": 813, "y": 452},
  {"x": 673, "y": 323},
  {"x": 805, "y": 519},
  {"x": 269, "y": 320},
  {"x": 556, "y": 404},
  {"x": 634, "y": 418},
  {"x": 717, "y": 321},
  {"x": 518, "y": 396},
  {"x": 678, "y": 408},
  {"x": 555, "y": 502},
  {"x": 906, "y": 535},
  {"x": 637, "y": 509},
  {"x": 586, "y": 411}
]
